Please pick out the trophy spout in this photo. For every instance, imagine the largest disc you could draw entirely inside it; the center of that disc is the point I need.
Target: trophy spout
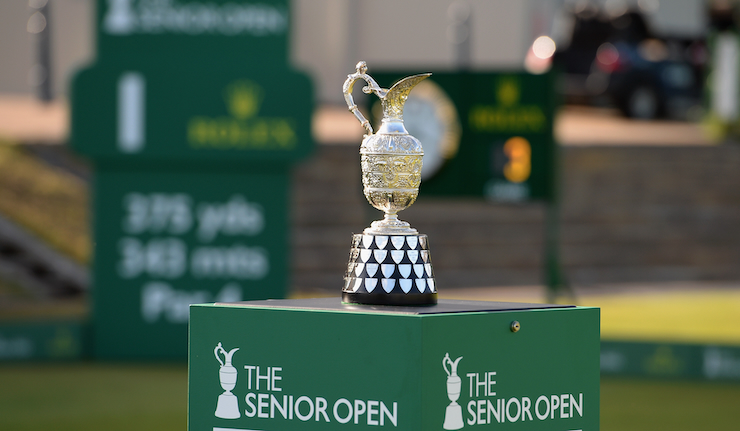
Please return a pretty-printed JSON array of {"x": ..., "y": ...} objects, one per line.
[{"x": 396, "y": 97}]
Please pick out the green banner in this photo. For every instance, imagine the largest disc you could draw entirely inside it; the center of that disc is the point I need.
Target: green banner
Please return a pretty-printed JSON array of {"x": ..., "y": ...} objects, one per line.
[
  {"x": 159, "y": 112},
  {"x": 183, "y": 32},
  {"x": 670, "y": 360},
  {"x": 32, "y": 341}
]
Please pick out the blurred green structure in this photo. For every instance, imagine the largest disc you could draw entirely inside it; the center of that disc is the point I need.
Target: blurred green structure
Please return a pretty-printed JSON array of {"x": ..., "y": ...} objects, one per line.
[
  {"x": 490, "y": 135},
  {"x": 191, "y": 117}
]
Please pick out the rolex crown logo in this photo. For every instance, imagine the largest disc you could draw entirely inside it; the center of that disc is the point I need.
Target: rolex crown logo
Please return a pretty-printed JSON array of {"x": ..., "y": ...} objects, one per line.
[
  {"x": 243, "y": 99},
  {"x": 507, "y": 92}
]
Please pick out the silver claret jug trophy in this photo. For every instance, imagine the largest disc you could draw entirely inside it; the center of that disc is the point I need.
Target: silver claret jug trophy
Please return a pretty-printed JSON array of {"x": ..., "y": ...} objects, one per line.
[{"x": 389, "y": 263}]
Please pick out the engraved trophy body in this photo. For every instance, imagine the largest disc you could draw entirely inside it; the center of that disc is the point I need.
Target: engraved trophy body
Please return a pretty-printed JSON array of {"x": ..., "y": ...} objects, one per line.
[{"x": 389, "y": 262}]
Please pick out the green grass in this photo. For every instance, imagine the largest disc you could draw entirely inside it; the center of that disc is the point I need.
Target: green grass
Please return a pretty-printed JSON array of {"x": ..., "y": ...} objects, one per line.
[
  {"x": 111, "y": 397},
  {"x": 668, "y": 405},
  {"x": 96, "y": 397}
]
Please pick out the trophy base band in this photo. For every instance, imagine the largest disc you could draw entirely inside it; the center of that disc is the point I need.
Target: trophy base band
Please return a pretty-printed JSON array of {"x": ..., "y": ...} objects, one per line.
[
  {"x": 389, "y": 270},
  {"x": 389, "y": 298}
]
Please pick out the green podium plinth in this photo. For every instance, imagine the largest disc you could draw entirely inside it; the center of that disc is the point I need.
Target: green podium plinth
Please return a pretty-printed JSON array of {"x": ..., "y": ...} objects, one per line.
[{"x": 320, "y": 364}]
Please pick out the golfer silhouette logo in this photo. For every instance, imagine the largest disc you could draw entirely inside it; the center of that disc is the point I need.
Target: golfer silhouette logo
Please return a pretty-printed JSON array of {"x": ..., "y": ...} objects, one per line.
[
  {"x": 453, "y": 414},
  {"x": 228, "y": 404}
]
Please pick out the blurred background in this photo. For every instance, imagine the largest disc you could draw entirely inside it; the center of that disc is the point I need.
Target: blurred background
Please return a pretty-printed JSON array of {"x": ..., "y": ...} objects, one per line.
[{"x": 643, "y": 223}]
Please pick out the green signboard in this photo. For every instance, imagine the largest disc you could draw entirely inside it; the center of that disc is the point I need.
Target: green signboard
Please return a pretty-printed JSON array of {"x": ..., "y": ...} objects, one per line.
[
  {"x": 191, "y": 116},
  {"x": 670, "y": 360},
  {"x": 489, "y": 135},
  {"x": 168, "y": 238},
  {"x": 484, "y": 134},
  {"x": 320, "y": 365},
  {"x": 199, "y": 81}
]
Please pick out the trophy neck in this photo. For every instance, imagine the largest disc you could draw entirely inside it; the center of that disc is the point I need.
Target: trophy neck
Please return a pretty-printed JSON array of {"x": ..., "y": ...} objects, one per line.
[
  {"x": 392, "y": 126},
  {"x": 393, "y": 108}
]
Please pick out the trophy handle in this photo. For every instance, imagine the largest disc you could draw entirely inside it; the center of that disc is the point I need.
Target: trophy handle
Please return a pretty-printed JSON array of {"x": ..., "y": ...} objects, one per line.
[
  {"x": 445, "y": 360},
  {"x": 221, "y": 349},
  {"x": 372, "y": 87}
]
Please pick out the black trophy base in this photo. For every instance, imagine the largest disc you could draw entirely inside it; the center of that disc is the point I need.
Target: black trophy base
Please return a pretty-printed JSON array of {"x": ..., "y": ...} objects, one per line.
[
  {"x": 389, "y": 270},
  {"x": 389, "y": 298}
]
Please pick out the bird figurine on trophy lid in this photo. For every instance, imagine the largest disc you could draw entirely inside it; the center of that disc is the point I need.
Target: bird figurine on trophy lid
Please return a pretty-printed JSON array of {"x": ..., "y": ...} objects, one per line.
[{"x": 389, "y": 263}]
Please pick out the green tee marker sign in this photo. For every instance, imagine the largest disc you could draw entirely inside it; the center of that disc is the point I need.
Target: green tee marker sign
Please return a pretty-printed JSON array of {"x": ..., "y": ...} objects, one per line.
[
  {"x": 191, "y": 116},
  {"x": 172, "y": 238},
  {"x": 484, "y": 134}
]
